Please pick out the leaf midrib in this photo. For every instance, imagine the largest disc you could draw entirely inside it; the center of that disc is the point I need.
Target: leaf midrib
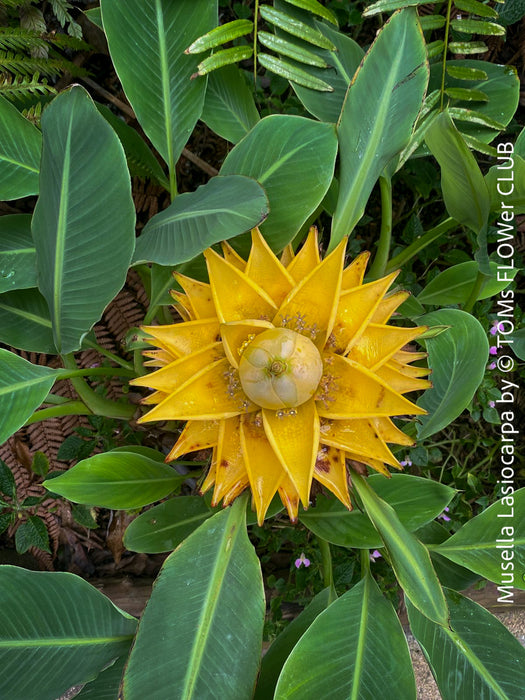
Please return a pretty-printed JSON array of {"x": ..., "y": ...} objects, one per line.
[{"x": 62, "y": 641}]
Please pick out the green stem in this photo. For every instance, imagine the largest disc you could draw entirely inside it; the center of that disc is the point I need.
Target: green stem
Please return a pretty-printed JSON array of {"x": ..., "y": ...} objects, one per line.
[
  {"x": 385, "y": 237},
  {"x": 255, "y": 23},
  {"x": 56, "y": 400},
  {"x": 476, "y": 289},
  {"x": 419, "y": 244},
  {"x": 107, "y": 353},
  {"x": 365, "y": 562},
  {"x": 95, "y": 403},
  {"x": 71, "y": 408},
  {"x": 326, "y": 562},
  {"x": 445, "y": 49},
  {"x": 97, "y": 372}
]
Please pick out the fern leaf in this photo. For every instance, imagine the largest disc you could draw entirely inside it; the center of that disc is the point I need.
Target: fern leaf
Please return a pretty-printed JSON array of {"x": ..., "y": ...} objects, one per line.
[{"x": 21, "y": 87}]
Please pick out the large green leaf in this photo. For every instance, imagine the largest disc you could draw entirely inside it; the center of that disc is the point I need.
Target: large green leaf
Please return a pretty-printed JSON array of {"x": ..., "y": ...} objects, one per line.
[
  {"x": 409, "y": 558},
  {"x": 342, "y": 64},
  {"x": 354, "y": 649},
  {"x": 25, "y": 322},
  {"x": 507, "y": 188},
  {"x": 84, "y": 220},
  {"x": 229, "y": 107},
  {"x": 378, "y": 115},
  {"x": 477, "y": 658},
  {"x": 119, "y": 480},
  {"x": 458, "y": 358},
  {"x": 147, "y": 42},
  {"x": 493, "y": 543},
  {"x": 17, "y": 253},
  {"x": 165, "y": 526},
  {"x": 200, "y": 634},
  {"x": 23, "y": 387},
  {"x": 465, "y": 192},
  {"x": 224, "y": 207},
  {"x": 280, "y": 649},
  {"x": 293, "y": 158},
  {"x": 416, "y": 501},
  {"x": 106, "y": 685},
  {"x": 56, "y": 630},
  {"x": 20, "y": 148},
  {"x": 454, "y": 285}
]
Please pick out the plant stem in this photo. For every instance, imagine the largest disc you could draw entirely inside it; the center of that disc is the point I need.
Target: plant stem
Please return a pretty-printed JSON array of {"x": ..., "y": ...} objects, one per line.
[
  {"x": 71, "y": 408},
  {"x": 107, "y": 353},
  {"x": 385, "y": 236},
  {"x": 255, "y": 22},
  {"x": 97, "y": 372},
  {"x": 445, "y": 49},
  {"x": 420, "y": 244},
  {"x": 365, "y": 562},
  {"x": 326, "y": 562},
  {"x": 476, "y": 289},
  {"x": 95, "y": 403}
]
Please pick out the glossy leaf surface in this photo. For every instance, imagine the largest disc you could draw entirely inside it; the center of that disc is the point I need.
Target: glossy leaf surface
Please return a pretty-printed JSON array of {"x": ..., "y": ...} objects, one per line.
[
  {"x": 492, "y": 539},
  {"x": 147, "y": 41},
  {"x": 477, "y": 658},
  {"x": 356, "y": 649},
  {"x": 384, "y": 97},
  {"x": 208, "y": 605},
  {"x": 20, "y": 149},
  {"x": 293, "y": 158},
  {"x": 224, "y": 207},
  {"x": 416, "y": 501},
  {"x": 458, "y": 358},
  {"x": 84, "y": 220},
  {"x": 454, "y": 285},
  {"x": 24, "y": 321},
  {"x": 17, "y": 253},
  {"x": 58, "y": 626},
  {"x": 23, "y": 387},
  {"x": 409, "y": 558},
  {"x": 119, "y": 480}
]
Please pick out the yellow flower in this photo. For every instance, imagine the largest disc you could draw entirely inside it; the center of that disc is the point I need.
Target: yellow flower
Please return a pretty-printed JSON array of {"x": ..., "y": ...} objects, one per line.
[{"x": 286, "y": 368}]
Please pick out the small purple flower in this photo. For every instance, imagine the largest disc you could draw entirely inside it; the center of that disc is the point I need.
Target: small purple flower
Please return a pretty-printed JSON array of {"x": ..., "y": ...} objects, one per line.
[
  {"x": 492, "y": 404},
  {"x": 492, "y": 365},
  {"x": 375, "y": 555},
  {"x": 406, "y": 462},
  {"x": 493, "y": 350},
  {"x": 444, "y": 515},
  {"x": 497, "y": 327},
  {"x": 302, "y": 560}
]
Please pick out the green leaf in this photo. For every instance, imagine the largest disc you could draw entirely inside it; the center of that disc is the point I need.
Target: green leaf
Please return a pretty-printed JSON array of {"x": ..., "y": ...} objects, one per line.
[
  {"x": 476, "y": 26},
  {"x": 492, "y": 539},
  {"x": 165, "y": 526},
  {"x": 343, "y": 64},
  {"x": 467, "y": 47},
  {"x": 20, "y": 148},
  {"x": 476, "y": 8},
  {"x": 295, "y": 27},
  {"x": 118, "y": 480},
  {"x": 147, "y": 42},
  {"x": 84, "y": 220},
  {"x": 389, "y": 5},
  {"x": 354, "y": 649},
  {"x": 17, "y": 253},
  {"x": 222, "y": 58},
  {"x": 207, "y": 605},
  {"x": 95, "y": 15},
  {"x": 221, "y": 35},
  {"x": 415, "y": 500},
  {"x": 464, "y": 190},
  {"x": 386, "y": 94},
  {"x": 518, "y": 345},
  {"x": 477, "y": 658},
  {"x": 292, "y": 72},
  {"x": 23, "y": 387},
  {"x": 409, "y": 558},
  {"x": 224, "y": 207},
  {"x": 293, "y": 158},
  {"x": 229, "y": 109},
  {"x": 31, "y": 533},
  {"x": 141, "y": 161},
  {"x": 106, "y": 685},
  {"x": 454, "y": 285},
  {"x": 466, "y": 94},
  {"x": 60, "y": 627},
  {"x": 458, "y": 359},
  {"x": 291, "y": 50},
  {"x": 7, "y": 481},
  {"x": 506, "y": 193},
  {"x": 315, "y": 8},
  {"x": 281, "y": 647},
  {"x": 25, "y": 322},
  {"x": 464, "y": 73}
]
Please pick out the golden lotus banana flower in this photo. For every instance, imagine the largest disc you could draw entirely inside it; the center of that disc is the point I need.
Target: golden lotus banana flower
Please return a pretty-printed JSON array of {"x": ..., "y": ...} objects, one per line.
[{"x": 286, "y": 368}]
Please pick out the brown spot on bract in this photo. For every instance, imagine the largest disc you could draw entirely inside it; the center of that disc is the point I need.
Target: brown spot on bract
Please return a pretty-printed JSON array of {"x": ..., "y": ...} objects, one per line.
[
  {"x": 323, "y": 465},
  {"x": 224, "y": 464},
  {"x": 380, "y": 397}
]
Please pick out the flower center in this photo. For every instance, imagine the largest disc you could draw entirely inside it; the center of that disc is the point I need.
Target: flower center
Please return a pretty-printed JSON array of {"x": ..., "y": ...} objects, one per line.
[{"x": 280, "y": 368}]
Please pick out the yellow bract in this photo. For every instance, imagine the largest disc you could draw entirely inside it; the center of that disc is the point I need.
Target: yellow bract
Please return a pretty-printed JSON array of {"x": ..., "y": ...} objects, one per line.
[{"x": 261, "y": 310}]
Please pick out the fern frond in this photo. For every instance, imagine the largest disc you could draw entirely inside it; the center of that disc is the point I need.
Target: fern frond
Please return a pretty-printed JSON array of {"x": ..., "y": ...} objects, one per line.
[
  {"x": 18, "y": 64},
  {"x": 65, "y": 41},
  {"x": 20, "y": 87},
  {"x": 61, "y": 9},
  {"x": 34, "y": 113},
  {"x": 16, "y": 39}
]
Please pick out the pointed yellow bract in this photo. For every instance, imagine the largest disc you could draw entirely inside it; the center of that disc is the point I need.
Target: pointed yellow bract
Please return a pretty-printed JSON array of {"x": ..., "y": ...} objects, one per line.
[{"x": 347, "y": 415}]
